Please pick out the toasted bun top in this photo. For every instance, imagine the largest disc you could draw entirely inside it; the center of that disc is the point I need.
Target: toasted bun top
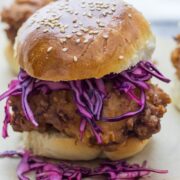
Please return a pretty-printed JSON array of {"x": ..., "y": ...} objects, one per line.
[{"x": 74, "y": 40}]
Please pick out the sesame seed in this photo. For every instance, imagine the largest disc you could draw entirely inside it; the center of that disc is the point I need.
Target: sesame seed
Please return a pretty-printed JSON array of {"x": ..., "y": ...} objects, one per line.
[
  {"x": 105, "y": 36},
  {"x": 69, "y": 36},
  {"x": 76, "y": 13},
  {"x": 75, "y": 58},
  {"x": 85, "y": 41},
  {"x": 71, "y": 12},
  {"x": 74, "y": 31},
  {"x": 109, "y": 12},
  {"x": 84, "y": 29},
  {"x": 113, "y": 9},
  {"x": 98, "y": 21},
  {"x": 91, "y": 5},
  {"x": 66, "y": 8},
  {"x": 76, "y": 26},
  {"x": 79, "y": 34},
  {"x": 89, "y": 15},
  {"x": 92, "y": 9},
  {"x": 38, "y": 27},
  {"x": 63, "y": 40},
  {"x": 101, "y": 25},
  {"x": 45, "y": 30},
  {"x": 121, "y": 57},
  {"x": 65, "y": 49},
  {"x": 75, "y": 20},
  {"x": 96, "y": 32},
  {"x": 49, "y": 49},
  {"x": 130, "y": 15},
  {"x": 93, "y": 32},
  {"x": 104, "y": 13},
  {"x": 32, "y": 22},
  {"x": 78, "y": 41},
  {"x": 62, "y": 30},
  {"x": 66, "y": 26},
  {"x": 105, "y": 6}
]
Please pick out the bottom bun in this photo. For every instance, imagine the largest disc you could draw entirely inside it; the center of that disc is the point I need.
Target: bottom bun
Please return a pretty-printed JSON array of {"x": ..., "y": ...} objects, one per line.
[
  {"x": 176, "y": 93},
  {"x": 57, "y": 146},
  {"x": 9, "y": 53},
  {"x": 131, "y": 147},
  {"x": 53, "y": 145}
]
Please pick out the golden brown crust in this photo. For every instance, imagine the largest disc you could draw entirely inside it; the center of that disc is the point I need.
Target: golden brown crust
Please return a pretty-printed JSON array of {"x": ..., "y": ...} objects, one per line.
[
  {"x": 110, "y": 37},
  {"x": 54, "y": 145}
]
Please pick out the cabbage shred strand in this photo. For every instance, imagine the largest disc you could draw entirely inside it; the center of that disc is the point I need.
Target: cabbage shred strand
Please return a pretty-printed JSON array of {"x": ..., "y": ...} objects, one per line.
[{"x": 45, "y": 170}]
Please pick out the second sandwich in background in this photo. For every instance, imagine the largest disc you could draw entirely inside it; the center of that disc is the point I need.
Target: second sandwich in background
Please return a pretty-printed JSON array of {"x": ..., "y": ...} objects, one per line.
[
  {"x": 14, "y": 16},
  {"x": 175, "y": 57}
]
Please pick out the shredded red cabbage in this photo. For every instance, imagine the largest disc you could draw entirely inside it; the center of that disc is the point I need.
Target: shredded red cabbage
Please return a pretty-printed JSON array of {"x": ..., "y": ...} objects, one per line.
[
  {"x": 89, "y": 95},
  {"x": 45, "y": 170}
]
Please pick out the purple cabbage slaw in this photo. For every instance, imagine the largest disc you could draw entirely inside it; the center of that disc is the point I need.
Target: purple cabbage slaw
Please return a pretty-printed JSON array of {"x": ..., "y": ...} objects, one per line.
[
  {"x": 89, "y": 95},
  {"x": 45, "y": 170}
]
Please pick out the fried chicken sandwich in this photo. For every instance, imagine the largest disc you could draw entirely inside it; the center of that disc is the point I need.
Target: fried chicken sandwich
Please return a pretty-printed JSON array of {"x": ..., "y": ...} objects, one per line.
[{"x": 84, "y": 90}]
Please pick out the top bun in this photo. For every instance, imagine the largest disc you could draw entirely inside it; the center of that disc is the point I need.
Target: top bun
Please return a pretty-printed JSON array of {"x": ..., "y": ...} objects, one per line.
[{"x": 75, "y": 40}]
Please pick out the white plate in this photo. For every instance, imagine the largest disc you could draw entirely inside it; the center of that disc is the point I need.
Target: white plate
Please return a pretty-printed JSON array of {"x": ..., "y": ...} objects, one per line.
[{"x": 164, "y": 149}]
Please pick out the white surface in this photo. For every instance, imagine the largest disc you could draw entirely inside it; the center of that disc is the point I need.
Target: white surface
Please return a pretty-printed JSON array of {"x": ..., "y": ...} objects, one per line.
[{"x": 158, "y": 10}]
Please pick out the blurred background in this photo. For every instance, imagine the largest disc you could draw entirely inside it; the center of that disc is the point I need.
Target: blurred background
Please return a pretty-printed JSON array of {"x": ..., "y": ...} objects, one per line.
[{"x": 163, "y": 14}]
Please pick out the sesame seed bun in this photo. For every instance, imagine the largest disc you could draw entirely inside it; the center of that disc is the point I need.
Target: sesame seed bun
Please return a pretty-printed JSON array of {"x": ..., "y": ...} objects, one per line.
[
  {"x": 75, "y": 40},
  {"x": 54, "y": 145}
]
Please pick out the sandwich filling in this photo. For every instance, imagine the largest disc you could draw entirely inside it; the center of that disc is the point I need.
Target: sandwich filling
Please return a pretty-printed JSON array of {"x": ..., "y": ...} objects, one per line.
[{"x": 103, "y": 111}]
